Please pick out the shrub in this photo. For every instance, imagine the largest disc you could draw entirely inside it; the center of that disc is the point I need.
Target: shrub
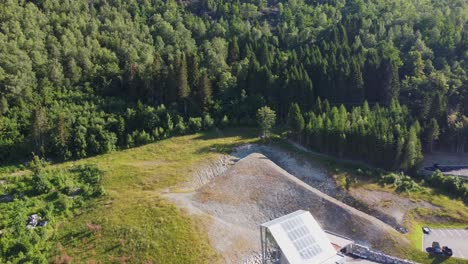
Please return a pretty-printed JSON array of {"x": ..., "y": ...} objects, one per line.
[
  {"x": 195, "y": 124},
  {"x": 41, "y": 184},
  {"x": 130, "y": 142},
  {"x": 450, "y": 184},
  {"x": 403, "y": 183},
  {"x": 224, "y": 122},
  {"x": 37, "y": 164},
  {"x": 141, "y": 137},
  {"x": 180, "y": 128},
  {"x": 208, "y": 122},
  {"x": 89, "y": 173}
]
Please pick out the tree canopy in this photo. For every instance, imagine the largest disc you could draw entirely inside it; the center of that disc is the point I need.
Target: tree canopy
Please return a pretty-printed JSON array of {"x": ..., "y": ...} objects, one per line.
[{"x": 78, "y": 78}]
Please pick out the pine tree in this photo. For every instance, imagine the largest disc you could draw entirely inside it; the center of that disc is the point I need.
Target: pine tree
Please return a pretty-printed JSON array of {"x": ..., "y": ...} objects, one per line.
[
  {"x": 296, "y": 120},
  {"x": 205, "y": 91},
  {"x": 318, "y": 106},
  {"x": 412, "y": 151},
  {"x": 39, "y": 129},
  {"x": 326, "y": 106},
  {"x": 3, "y": 105},
  {"x": 182, "y": 82},
  {"x": 234, "y": 52},
  {"x": 432, "y": 134},
  {"x": 61, "y": 138}
]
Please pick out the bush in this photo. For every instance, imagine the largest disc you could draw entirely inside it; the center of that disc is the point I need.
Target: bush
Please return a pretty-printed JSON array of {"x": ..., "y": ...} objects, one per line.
[
  {"x": 450, "y": 184},
  {"x": 224, "y": 122},
  {"x": 403, "y": 183},
  {"x": 89, "y": 173},
  {"x": 208, "y": 122},
  {"x": 130, "y": 142},
  {"x": 180, "y": 128},
  {"x": 195, "y": 124},
  {"x": 37, "y": 164},
  {"x": 141, "y": 137},
  {"x": 41, "y": 184}
]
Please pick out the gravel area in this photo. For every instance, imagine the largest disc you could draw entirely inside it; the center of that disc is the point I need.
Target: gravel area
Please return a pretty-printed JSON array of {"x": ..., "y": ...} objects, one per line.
[
  {"x": 447, "y": 158},
  {"x": 390, "y": 207},
  {"x": 234, "y": 195},
  {"x": 308, "y": 171}
]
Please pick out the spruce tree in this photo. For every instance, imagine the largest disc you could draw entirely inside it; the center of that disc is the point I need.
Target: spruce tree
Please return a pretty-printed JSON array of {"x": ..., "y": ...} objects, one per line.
[
  {"x": 234, "y": 53},
  {"x": 412, "y": 153},
  {"x": 39, "y": 129},
  {"x": 318, "y": 106},
  {"x": 182, "y": 82},
  {"x": 296, "y": 120},
  {"x": 205, "y": 91},
  {"x": 432, "y": 134}
]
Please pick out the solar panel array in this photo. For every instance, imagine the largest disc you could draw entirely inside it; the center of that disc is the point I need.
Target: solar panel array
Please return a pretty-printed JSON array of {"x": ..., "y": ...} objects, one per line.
[{"x": 301, "y": 238}]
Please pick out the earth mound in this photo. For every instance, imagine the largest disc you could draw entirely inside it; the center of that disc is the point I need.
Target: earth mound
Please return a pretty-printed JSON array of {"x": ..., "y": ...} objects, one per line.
[{"x": 255, "y": 190}]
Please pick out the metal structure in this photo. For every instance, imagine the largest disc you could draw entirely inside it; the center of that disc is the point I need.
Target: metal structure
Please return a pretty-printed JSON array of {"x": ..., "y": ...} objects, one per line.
[{"x": 296, "y": 238}]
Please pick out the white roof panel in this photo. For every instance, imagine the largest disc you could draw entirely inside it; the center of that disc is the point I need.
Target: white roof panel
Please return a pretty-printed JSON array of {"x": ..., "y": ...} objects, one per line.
[{"x": 301, "y": 238}]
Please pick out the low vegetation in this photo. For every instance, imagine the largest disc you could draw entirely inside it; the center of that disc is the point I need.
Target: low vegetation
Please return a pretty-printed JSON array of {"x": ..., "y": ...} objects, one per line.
[
  {"x": 54, "y": 194},
  {"x": 131, "y": 223}
]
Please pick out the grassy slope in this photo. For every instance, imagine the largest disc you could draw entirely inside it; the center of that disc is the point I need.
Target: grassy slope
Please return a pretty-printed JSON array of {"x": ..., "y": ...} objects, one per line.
[
  {"x": 137, "y": 224},
  {"x": 453, "y": 213}
]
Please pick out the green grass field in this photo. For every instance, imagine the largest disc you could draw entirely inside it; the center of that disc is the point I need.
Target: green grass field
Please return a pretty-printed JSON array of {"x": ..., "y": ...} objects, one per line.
[
  {"x": 137, "y": 224},
  {"x": 132, "y": 223}
]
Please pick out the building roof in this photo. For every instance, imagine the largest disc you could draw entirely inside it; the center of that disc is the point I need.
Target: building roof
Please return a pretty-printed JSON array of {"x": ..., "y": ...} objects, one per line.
[{"x": 301, "y": 239}]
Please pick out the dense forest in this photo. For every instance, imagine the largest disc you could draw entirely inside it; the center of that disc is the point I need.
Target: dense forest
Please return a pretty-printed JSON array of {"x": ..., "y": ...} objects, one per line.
[{"x": 379, "y": 80}]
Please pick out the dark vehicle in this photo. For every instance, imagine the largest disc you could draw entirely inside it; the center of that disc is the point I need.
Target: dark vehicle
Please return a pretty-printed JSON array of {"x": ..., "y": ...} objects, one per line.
[
  {"x": 436, "y": 249},
  {"x": 447, "y": 251},
  {"x": 426, "y": 230}
]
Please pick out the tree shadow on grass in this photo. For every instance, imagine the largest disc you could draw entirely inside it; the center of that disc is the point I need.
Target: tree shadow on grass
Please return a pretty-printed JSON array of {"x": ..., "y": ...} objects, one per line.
[
  {"x": 242, "y": 132},
  {"x": 69, "y": 238},
  {"x": 223, "y": 148},
  {"x": 218, "y": 148},
  {"x": 113, "y": 248}
]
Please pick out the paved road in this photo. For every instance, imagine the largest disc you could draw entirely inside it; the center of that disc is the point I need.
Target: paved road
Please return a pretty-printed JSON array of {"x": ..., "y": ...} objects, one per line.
[{"x": 456, "y": 239}]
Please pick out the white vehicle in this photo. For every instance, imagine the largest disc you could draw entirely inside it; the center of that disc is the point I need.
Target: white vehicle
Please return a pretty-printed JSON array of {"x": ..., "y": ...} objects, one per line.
[{"x": 426, "y": 230}]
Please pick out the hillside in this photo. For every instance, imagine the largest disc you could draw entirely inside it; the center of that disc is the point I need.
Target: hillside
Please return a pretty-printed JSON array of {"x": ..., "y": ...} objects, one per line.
[
  {"x": 81, "y": 78},
  {"x": 147, "y": 208},
  {"x": 107, "y": 106},
  {"x": 130, "y": 223}
]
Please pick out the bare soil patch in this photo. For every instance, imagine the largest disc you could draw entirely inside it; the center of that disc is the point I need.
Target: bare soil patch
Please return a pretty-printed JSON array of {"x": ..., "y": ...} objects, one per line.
[
  {"x": 388, "y": 204},
  {"x": 255, "y": 190}
]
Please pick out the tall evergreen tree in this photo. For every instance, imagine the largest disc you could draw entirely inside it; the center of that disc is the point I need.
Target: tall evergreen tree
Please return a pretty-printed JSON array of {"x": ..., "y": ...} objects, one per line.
[
  {"x": 182, "y": 82},
  {"x": 206, "y": 91},
  {"x": 432, "y": 134},
  {"x": 296, "y": 121},
  {"x": 39, "y": 129}
]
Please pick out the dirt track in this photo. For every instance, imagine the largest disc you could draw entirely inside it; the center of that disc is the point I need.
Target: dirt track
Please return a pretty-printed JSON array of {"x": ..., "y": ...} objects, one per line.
[{"x": 237, "y": 198}]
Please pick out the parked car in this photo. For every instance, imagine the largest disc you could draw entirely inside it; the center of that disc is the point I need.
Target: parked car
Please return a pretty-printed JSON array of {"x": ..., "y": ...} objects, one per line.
[
  {"x": 447, "y": 251},
  {"x": 426, "y": 230},
  {"x": 436, "y": 248}
]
